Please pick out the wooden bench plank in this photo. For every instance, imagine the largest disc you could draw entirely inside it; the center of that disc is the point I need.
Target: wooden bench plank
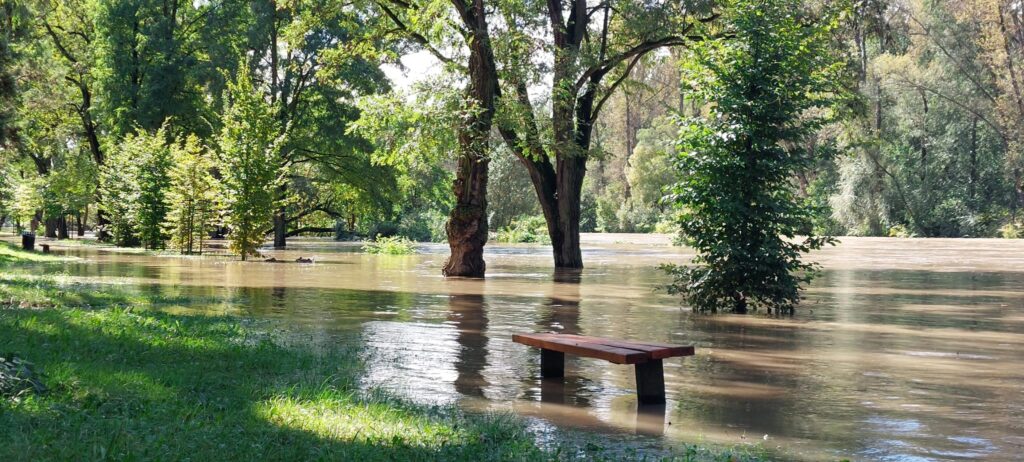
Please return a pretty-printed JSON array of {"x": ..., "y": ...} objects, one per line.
[
  {"x": 578, "y": 348},
  {"x": 656, "y": 350},
  {"x": 645, "y": 356}
]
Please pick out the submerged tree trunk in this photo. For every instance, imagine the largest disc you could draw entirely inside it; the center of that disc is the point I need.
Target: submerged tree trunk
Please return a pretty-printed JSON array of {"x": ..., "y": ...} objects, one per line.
[{"x": 467, "y": 223}]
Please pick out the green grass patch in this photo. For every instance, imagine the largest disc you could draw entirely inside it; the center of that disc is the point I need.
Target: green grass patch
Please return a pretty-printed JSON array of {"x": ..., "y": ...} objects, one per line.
[
  {"x": 390, "y": 245},
  {"x": 152, "y": 386},
  {"x": 13, "y": 254}
]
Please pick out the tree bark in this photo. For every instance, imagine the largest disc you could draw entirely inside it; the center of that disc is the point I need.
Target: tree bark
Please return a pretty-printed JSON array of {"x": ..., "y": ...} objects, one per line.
[
  {"x": 50, "y": 227},
  {"x": 467, "y": 223},
  {"x": 62, "y": 227},
  {"x": 280, "y": 228}
]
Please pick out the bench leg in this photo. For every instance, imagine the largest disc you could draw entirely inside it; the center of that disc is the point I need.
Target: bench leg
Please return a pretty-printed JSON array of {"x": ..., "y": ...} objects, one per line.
[
  {"x": 650, "y": 382},
  {"x": 552, "y": 364}
]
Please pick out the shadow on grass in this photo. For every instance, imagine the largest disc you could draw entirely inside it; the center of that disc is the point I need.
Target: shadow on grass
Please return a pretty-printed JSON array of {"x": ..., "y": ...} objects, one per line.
[{"x": 149, "y": 385}]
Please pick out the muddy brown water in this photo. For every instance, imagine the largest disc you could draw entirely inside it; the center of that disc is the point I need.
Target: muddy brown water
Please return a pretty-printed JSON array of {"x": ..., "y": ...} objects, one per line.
[{"x": 904, "y": 349}]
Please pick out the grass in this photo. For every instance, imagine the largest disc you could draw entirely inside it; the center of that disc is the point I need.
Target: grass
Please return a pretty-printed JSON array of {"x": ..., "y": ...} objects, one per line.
[
  {"x": 393, "y": 245},
  {"x": 137, "y": 383},
  {"x": 12, "y": 254}
]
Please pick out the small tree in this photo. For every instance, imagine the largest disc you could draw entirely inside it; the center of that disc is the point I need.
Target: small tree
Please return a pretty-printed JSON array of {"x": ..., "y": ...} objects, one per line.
[
  {"x": 154, "y": 180},
  {"x": 120, "y": 190},
  {"x": 766, "y": 89},
  {"x": 133, "y": 182},
  {"x": 250, "y": 163},
  {"x": 192, "y": 198}
]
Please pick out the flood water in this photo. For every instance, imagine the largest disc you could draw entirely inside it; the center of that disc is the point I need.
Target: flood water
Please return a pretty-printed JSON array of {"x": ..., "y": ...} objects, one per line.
[{"x": 904, "y": 349}]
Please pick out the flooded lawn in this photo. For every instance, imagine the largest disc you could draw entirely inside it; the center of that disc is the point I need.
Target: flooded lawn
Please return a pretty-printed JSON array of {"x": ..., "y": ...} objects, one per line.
[{"x": 904, "y": 350}]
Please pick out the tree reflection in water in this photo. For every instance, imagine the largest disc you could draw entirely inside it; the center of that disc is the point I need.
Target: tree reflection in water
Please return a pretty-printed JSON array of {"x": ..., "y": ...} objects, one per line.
[{"x": 468, "y": 313}]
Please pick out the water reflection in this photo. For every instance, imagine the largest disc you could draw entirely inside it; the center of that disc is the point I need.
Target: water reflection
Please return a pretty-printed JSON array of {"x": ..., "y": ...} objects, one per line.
[
  {"x": 469, "y": 316},
  {"x": 903, "y": 350}
]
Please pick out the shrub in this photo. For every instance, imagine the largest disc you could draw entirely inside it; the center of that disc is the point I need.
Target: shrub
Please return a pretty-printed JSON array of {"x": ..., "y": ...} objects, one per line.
[
  {"x": 527, "y": 229},
  {"x": 766, "y": 91},
  {"x": 390, "y": 245},
  {"x": 1011, "y": 231}
]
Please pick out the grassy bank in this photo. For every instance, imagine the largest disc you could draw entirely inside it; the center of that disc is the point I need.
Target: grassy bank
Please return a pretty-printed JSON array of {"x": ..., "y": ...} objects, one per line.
[
  {"x": 127, "y": 381},
  {"x": 10, "y": 254},
  {"x": 127, "y": 385}
]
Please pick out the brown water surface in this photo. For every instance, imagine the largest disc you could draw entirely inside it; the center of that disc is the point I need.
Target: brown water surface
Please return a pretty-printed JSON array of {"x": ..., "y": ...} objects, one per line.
[{"x": 904, "y": 349}]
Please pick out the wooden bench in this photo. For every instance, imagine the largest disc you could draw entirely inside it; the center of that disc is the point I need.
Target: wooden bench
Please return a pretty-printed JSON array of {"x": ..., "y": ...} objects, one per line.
[{"x": 646, "y": 356}]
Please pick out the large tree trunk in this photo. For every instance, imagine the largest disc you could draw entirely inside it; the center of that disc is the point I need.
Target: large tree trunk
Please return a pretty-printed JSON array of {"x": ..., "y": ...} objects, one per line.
[
  {"x": 50, "y": 227},
  {"x": 62, "y": 228},
  {"x": 467, "y": 223},
  {"x": 280, "y": 229},
  {"x": 571, "y": 171}
]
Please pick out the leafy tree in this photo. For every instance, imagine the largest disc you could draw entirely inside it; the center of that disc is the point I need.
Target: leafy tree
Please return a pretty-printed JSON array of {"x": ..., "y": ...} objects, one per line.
[
  {"x": 153, "y": 181},
  {"x": 250, "y": 143},
  {"x": 9, "y": 32},
  {"x": 68, "y": 190},
  {"x": 302, "y": 63},
  {"x": 766, "y": 90},
  {"x": 120, "y": 189},
  {"x": 192, "y": 196}
]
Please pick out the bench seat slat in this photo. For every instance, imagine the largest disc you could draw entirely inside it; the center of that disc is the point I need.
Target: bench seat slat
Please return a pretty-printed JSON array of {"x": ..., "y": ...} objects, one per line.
[
  {"x": 655, "y": 350},
  {"x": 578, "y": 348},
  {"x": 616, "y": 351}
]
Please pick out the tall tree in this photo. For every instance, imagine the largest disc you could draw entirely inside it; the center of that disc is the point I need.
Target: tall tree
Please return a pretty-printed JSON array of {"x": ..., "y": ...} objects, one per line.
[
  {"x": 70, "y": 26},
  {"x": 249, "y": 149},
  {"x": 468, "y": 35},
  {"x": 154, "y": 182},
  {"x": 299, "y": 61},
  {"x": 192, "y": 197},
  {"x": 594, "y": 50},
  {"x": 766, "y": 90}
]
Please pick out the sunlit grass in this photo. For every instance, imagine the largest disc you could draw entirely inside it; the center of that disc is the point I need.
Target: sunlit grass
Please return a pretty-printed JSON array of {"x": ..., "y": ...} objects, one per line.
[
  {"x": 12, "y": 254},
  {"x": 158, "y": 386}
]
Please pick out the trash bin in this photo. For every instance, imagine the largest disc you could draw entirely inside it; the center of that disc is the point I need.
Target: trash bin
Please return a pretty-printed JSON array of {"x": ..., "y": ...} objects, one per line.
[{"x": 28, "y": 241}]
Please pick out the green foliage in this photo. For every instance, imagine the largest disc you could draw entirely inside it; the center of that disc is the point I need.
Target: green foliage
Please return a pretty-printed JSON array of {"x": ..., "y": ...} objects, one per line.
[
  {"x": 650, "y": 172},
  {"x": 147, "y": 69},
  {"x": 134, "y": 182},
  {"x": 767, "y": 89},
  {"x": 1011, "y": 231},
  {"x": 249, "y": 145},
  {"x": 390, "y": 245},
  {"x": 119, "y": 187},
  {"x": 510, "y": 193},
  {"x": 193, "y": 196},
  {"x": 27, "y": 198},
  {"x": 525, "y": 229},
  {"x": 69, "y": 186},
  {"x": 900, "y": 231},
  {"x": 154, "y": 181}
]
